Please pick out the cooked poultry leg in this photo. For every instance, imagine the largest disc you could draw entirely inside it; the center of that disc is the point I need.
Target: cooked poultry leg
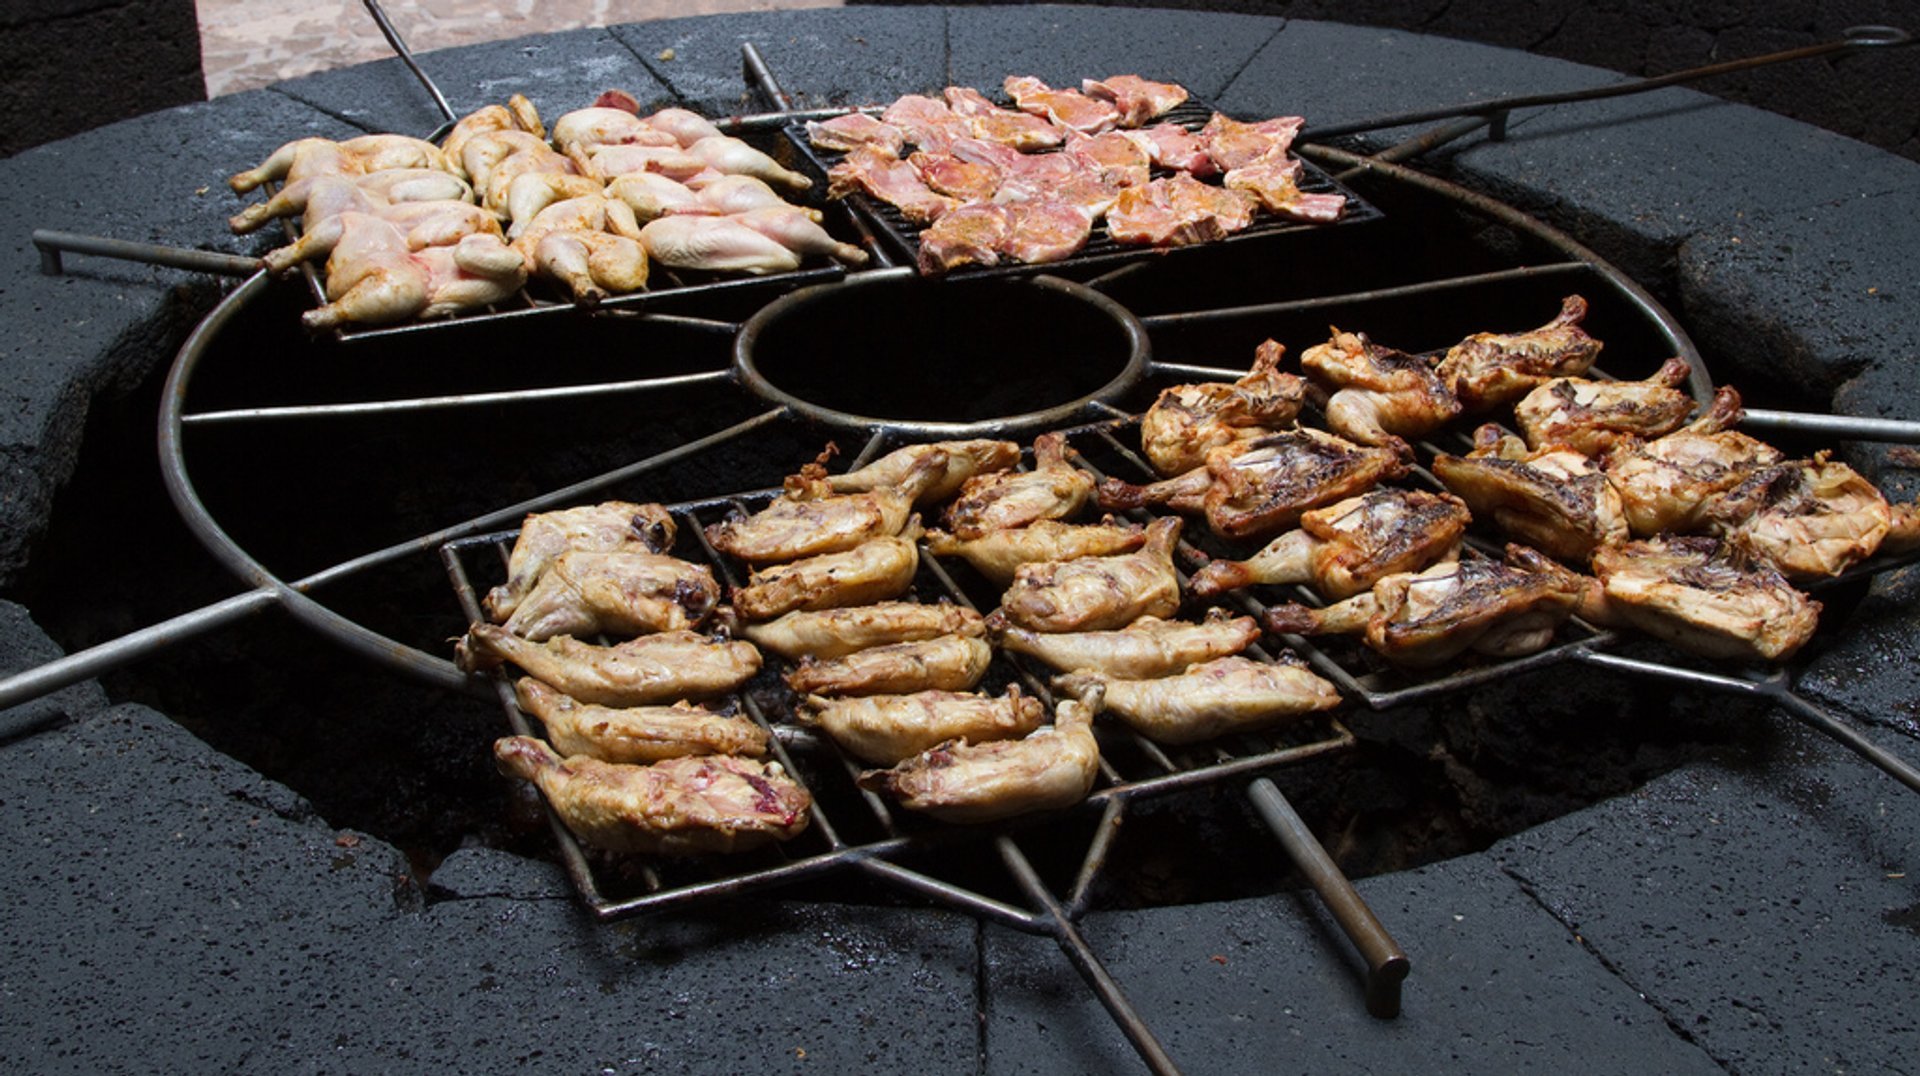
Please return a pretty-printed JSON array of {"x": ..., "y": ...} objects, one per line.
[
  {"x": 1382, "y": 394},
  {"x": 811, "y": 519},
  {"x": 1186, "y": 421},
  {"x": 1489, "y": 369},
  {"x": 1553, "y": 499},
  {"x": 1690, "y": 592},
  {"x": 1594, "y": 417},
  {"x": 1098, "y": 593},
  {"x": 873, "y": 571},
  {"x": 1053, "y": 489},
  {"x": 1000, "y": 553},
  {"x": 833, "y": 633},
  {"x": 616, "y": 593},
  {"x": 1666, "y": 483},
  {"x": 1804, "y": 518},
  {"x": 683, "y": 806},
  {"x": 1147, "y": 648},
  {"x": 1052, "y": 768},
  {"x": 590, "y": 244},
  {"x": 605, "y": 527},
  {"x": 1211, "y": 699},
  {"x": 1279, "y": 477},
  {"x": 639, "y": 672},
  {"x": 637, "y": 734},
  {"x": 1345, "y": 548},
  {"x": 883, "y": 729},
  {"x": 948, "y": 663},
  {"x": 964, "y": 459}
]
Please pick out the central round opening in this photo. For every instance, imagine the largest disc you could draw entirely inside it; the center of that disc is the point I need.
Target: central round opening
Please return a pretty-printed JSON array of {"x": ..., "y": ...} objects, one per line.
[{"x": 942, "y": 355}]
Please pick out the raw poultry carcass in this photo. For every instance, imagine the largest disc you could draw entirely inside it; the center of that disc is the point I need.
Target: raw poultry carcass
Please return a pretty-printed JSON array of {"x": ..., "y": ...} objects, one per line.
[
  {"x": 518, "y": 114},
  {"x": 948, "y": 663},
  {"x": 1275, "y": 181},
  {"x": 874, "y": 571},
  {"x": 1346, "y": 548},
  {"x": 1382, "y": 394},
  {"x": 682, "y": 806},
  {"x": 494, "y": 159},
  {"x": 373, "y": 278},
  {"x": 927, "y": 122},
  {"x": 1112, "y": 158},
  {"x": 1232, "y": 144},
  {"x": 1053, "y": 489},
  {"x": 591, "y": 244},
  {"x": 1595, "y": 417},
  {"x": 832, "y": 633},
  {"x": 956, "y": 177},
  {"x": 607, "y": 163},
  {"x": 798, "y": 229},
  {"x": 891, "y": 180},
  {"x": 651, "y": 195},
  {"x": 1147, "y": 648},
  {"x": 585, "y": 128},
  {"x": 1554, "y": 499},
  {"x": 1138, "y": 100},
  {"x": 1427, "y": 619},
  {"x": 604, "y": 527},
  {"x": 989, "y": 122},
  {"x": 307, "y": 157},
  {"x": 999, "y": 553},
  {"x": 961, "y": 460},
  {"x": 1694, "y": 593},
  {"x": 1098, "y": 593},
  {"x": 317, "y": 198},
  {"x": 1050, "y": 769},
  {"x": 683, "y": 124},
  {"x": 1178, "y": 211},
  {"x": 738, "y": 194},
  {"x": 637, "y": 734},
  {"x": 1489, "y": 369},
  {"x": 983, "y": 234},
  {"x": 425, "y": 224},
  {"x": 720, "y": 244},
  {"x": 730, "y": 156},
  {"x": 532, "y": 192},
  {"x": 587, "y": 593},
  {"x": 884, "y": 729},
  {"x": 812, "y": 519},
  {"x": 1186, "y": 421},
  {"x": 1068, "y": 108},
  {"x": 658, "y": 668},
  {"x": 1808, "y": 519},
  {"x": 1666, "y": 483},
  {"x": 842, "y": 134},
  {"x": 1208, "y": 700}
]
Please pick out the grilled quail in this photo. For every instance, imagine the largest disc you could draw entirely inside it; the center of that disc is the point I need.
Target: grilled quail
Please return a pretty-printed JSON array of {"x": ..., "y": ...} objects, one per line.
[
  {"x": 1691, "y": 592},
  {"x": 1144, "y": 649},
  {"x": 964, "y": 459},
  {"x": 833, "y": 633},
  {"x": 617, "y": 593},
  {"x": 811, "y": 519},
  {"x": 1269, "y": 487},
  {"x": 883, "y": 729},
  {"x": 1489, "y": 369},
  {"x": 639, "y": 672},
  {"x": 1666, "y": 483},
  {"x": 1051, "y": 768},
  {"x": 613, "y": 525},
  {"x": 682, "y": 806},
  {"x": 874, "y": 571},
  {"x": 1595, "y": 417},
  {"x": 1053, "y": 489},
  {"x": 1808, "y": 518},
  {"x": 1553, "y": 499},
  {"x": 1343, "y": 549},
  {"x": 1187, "y": 420},
  {"x": 998, "y": 554},
  {"x": 1381, "y": 394},
  {"x": 1230, "y": 694},
  {"x": 1098, "y": 593},
  {"x": 948, "y": 663},
  {"x": 637, "y": 734}
]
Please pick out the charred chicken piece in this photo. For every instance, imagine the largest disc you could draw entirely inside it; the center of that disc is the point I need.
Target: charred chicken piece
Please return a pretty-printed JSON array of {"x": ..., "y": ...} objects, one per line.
[
  {"x": 652, "y": 669},
  {"x": 1553, "y": 499},
  {"x": 1595, "y": 417},
  {"x": 1186, "y": 421},
  {"x": 1147, "y": 648},
  {"x": 589, "y": 592},
  {"x": 811, "y": 519},
  {"x": 1808, "y": 519},
  {"x": 1053, "y": 489},
  {"x": 1213, "y": 698},
  {"x": 637, "y": 734},
  {"x": 1098, "y": 593},
  {"x": 1050, "y": 769},
  {"x": 948, "y": 663},
  {"x": 874, "y": 571},
  {"x": 833, "y": 633},
  {"x": 1666, "y": 483},
  {"x": 1000, "y": 553},
  {"x": 683, "y": 806},
  {"x": 1346, "y": 548},
  {"x": 963, "y": 460},
  {"x": 1382, "y": 393},
  {"x": 1427, "y": 619},
  {"x": 883, "y": 729},
  {"x": 1267, "y": 488},
  {"x": 1693, "y": 593},
  {"x": 606, "y": 527},
  {"x": 1489, "y": 369}
]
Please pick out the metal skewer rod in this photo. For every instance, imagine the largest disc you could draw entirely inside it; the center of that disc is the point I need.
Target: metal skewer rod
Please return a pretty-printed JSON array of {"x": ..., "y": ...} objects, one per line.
[
  {"x": 762, "y": 78},
  {"x": 406, "y": 56},
  {"x": 53, "y": 243},
  {"x": 1844, "y": 426},
  {"x": 439, "y": 403}
]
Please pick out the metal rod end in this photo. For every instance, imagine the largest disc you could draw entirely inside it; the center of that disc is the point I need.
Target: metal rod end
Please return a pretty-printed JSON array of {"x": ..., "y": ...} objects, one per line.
[{"x": 1383, "y": 987}]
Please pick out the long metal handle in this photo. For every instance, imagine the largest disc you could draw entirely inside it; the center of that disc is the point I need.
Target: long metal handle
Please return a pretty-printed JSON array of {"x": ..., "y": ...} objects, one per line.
[
  {"x": 1387, "y": 964},
  {"x": 53, "y": 243},
  {"x": 1847, "y": 426},
  {"x": 406, "y": 57},
  {"x": 1853, "y": 38}
]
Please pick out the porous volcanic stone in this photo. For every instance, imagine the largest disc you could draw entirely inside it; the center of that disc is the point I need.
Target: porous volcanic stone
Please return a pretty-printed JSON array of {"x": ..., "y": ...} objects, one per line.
[
  {"x": 24, "y": 646},
  {"x": 1063, "y": 45}
]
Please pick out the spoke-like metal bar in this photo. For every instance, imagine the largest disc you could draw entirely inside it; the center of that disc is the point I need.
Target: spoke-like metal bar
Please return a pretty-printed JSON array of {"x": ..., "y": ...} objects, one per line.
[
  {"x": 761, "y": 77},
  {"x": 1075, "y": 946},
  {"x": 441, "y": 403},
  {"x": 1843, "y": 426},
  {"x": 52, "y": 244},
  {"x": 1401, "y": 291},
  {"x": 965, "y": 900},
  {"x": 1387, "y": 965},
  {"x": 400, "y": 49}
]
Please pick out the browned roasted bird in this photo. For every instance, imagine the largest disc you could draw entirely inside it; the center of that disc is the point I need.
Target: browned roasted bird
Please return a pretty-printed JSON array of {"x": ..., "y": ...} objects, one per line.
[
  {"x": 637, "y": 734},
  {"x": 998, "y": 554},
  {"x": 964, "y": 459},
  {"x": 682, "y": 806},
  {"x": 1380, "y": 394},
  {"x": 811, "y": 519},
  {"x": 1050, "y": 769},
  {"x": 639, "y": 672},
  {"x": 1098, "y": 593},
  {"x": 1144, "y": 649},
  {"x": 948, "y": 663},
  {"x": 1345, "y": 548},
  {"x": 1692, "y": 592},
  {"x": 1053, "y": 489},
  {"x": 883, "y": 729},
  {"x": 1426, "y": 619},
  {"x": 1595, "y": 417},
  {"x": 1489, "y": 369},
  {"x": 1187, "y": 420},
  {"x": 1214, "y": 698},
  {"x": 873, "y": 571},
  {"x": 613, "y": 525},
  {"x": 1666, "y": 483},
  {"x": 626, "y": 592},
  {"x": 1810, "y": 518},
  {"x": 833, "y": 633},
  {"x": 1553, "y": 499}
]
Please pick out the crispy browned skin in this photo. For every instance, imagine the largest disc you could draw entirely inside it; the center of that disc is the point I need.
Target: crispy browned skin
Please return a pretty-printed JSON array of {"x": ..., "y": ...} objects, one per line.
[
  {"x": 637, "y": 733},
  {"x": 682, "y": 806},
  {"x": 949, "y": 663},
  {"x": 1144, "y": 649},
  {"x": 1553, "y": 499},
  {"x": 640, "y": 672},
  {"x": 1054, "y": 489},
  {"x": 999, "y": 554},
  {"x": 618, "y": 593},
  {"x": 1693, "y": 594},
  {"x": 1187, "y": 420},
  {"x": 1595, "y": 417},
  {"x": 874, "y": 571},
  {"x": 1098, "y": 593},
  {"x": 1343, "y": 549},
  {"x": 1050, "y": 769},
  {"x": 1427, "y": 619},
  {"x": 1489, "y": 369},
  {"x": 1213, "y": 698},
  {"x": 602, "y": 527},
  {"x": 1266, "y": 489},
  {"x": 1804, "y": 518},
  {"x": 1382, "y": 394},
  {"x": 832, "y": 633},
  {"x": 883, "y": 729},
  {"x": 1665, "y": 484}
]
